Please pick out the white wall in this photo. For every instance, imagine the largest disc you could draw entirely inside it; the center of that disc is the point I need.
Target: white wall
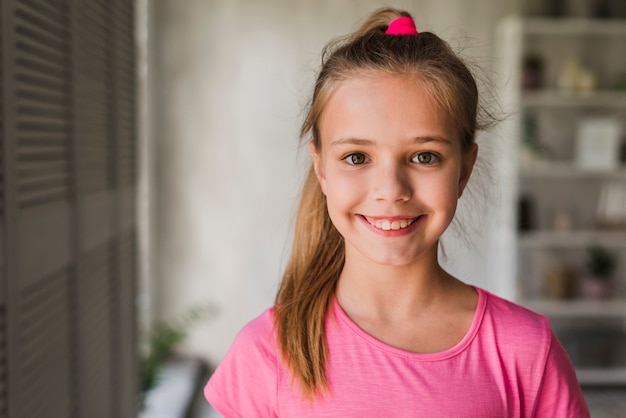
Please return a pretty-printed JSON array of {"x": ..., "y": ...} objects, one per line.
[{"x": 228, "y": 82}]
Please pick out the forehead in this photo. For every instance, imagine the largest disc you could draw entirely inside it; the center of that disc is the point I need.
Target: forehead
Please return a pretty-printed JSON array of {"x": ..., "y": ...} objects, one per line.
[{"x": 383, "y": 106}]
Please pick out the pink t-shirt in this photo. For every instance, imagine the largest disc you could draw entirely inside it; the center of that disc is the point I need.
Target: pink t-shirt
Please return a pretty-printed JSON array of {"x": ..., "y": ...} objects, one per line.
[{"x": 509, "y": 364}]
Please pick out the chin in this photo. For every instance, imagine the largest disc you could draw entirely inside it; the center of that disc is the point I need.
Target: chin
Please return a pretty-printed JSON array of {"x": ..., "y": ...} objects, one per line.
[{"x": 402, "y": 259}]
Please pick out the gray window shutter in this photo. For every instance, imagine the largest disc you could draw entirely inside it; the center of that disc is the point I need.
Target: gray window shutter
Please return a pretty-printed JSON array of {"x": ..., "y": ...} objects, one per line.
[
  {"x": 67, "y": 209},
  {"x": 3, "y": 341}
]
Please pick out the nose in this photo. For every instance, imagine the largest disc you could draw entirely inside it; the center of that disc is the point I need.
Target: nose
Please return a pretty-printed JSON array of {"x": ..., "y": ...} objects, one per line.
[{"x": 392, "y": 183}]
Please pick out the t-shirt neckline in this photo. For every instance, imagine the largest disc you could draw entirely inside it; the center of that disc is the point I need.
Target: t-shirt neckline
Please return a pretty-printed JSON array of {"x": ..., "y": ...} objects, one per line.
[{"x": 436, "y": 356}]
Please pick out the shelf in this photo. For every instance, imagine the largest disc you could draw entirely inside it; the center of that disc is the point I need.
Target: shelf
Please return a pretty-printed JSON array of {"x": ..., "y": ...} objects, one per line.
[
  {"x": 573, "y": 239},
  {"x": 578, "y": 308},
  {"x": 570, "y": 100},
  {"x": 608, "y": 376},
  {"x": 574, "y": 27},
  {"x": 562, "y": 170}
]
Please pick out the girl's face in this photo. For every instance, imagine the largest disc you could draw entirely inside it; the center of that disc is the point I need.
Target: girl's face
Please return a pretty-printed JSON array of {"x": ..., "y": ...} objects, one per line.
[{"x": 391, "y": 167}]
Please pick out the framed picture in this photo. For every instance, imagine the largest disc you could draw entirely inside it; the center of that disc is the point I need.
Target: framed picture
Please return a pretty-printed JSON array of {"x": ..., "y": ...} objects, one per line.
[{"x": 597, "y": 143}]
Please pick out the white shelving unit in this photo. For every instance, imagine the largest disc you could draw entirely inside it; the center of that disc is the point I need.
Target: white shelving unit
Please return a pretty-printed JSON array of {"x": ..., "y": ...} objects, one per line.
[
  {"x": 556, "y": 99},
  {"x": 579, "y": 308},
  {"x": 557, "y": 185},
  {"x": 571, "y": 240}
]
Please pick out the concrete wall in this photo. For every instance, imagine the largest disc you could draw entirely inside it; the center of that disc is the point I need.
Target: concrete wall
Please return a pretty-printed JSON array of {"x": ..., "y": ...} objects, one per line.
[{"x": 228, "y": 82}]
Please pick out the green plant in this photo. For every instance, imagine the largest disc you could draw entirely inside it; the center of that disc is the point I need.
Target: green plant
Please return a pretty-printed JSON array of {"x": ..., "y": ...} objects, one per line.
[
  {"x": 163, "y": 340},
  {"x": 600, "y": 261}
]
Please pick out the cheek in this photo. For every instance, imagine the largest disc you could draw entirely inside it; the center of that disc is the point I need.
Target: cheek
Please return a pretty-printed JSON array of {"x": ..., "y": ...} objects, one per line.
[
  {"x": 343, "y": 190},
  {"x": 442, "y": 189},
  {"x": 340, "y": 182}
]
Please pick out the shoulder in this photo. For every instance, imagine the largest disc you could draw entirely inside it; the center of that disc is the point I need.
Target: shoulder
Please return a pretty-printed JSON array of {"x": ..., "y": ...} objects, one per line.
[
  {"x": 528, "y": 349},
  {"x": 255, "y": 339},
  {"x": 521, "y": 333},
  {"x": 514, "y": 320},
  {"x": 259, "y": 331},
  {"x": 244, "y": 382}
]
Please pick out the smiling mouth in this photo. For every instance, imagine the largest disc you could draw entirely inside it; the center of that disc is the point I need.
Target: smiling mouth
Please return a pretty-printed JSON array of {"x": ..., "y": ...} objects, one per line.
[{"x": 390, "y": 224}]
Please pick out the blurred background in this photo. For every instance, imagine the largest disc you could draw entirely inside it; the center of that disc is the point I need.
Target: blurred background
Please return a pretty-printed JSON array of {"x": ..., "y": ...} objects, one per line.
[{"x": 151, "y": 165}]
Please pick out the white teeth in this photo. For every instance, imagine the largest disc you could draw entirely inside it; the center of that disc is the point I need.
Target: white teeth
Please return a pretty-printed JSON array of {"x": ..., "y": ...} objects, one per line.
[{"x": 391, "y": 225}]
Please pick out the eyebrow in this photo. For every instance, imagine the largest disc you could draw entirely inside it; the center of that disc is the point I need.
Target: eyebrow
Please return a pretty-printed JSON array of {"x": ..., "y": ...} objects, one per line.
[
  {"x": 415, "y": 140},
  {"x": 351, "y": 141}
]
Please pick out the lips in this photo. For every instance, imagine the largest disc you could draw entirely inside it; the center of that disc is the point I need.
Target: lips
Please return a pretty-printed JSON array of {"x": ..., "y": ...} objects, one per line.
[{"x": 390, "y": 224}]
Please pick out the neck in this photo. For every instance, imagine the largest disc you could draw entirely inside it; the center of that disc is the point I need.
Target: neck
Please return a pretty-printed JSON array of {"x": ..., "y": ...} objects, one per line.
[{"x": 386, "y": 291}]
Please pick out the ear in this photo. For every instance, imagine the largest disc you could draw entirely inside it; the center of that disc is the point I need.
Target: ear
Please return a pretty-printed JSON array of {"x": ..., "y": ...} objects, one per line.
[
  {"x": 469, "y": 159},
  {"x": 317, "y": 166}
]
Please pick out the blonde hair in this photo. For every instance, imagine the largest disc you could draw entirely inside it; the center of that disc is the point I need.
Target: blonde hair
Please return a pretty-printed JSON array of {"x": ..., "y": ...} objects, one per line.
[{"x": 317, "y": 258}]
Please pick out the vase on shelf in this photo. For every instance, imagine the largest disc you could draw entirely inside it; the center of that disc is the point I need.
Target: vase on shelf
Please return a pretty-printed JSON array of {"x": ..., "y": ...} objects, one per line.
[
  {"x": 595, "y": 288},
  {"x": 598, "y": 283}
]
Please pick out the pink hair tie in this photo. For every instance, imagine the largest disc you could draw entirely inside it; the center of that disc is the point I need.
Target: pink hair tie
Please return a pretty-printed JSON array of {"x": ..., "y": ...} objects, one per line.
[{"x": 402, "y": 26}]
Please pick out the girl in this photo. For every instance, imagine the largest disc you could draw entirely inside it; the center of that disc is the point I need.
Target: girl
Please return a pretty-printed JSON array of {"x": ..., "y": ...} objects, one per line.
[{"x": 366, "y": 322}]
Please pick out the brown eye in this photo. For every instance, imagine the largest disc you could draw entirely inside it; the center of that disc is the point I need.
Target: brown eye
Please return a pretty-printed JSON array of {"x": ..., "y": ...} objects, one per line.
[
  {"x": 356, "y": 159},
  {"x": 425, "y": 158}
]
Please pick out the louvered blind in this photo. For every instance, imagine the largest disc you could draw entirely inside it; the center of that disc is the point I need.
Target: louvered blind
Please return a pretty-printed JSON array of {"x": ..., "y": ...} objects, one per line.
[
  {"x": 125, "y": 289},
  {"x": 3, "y": 368},
  {"x": 92, "y": 96},
  {"x": 1, "y": 135},
  {"x": 95, "y": 332},
  {"x": 41, "y": 73},
  {"x": 44, "y": 339},
  {"x": 3, "y": 330},
  {"x": 67, "y": 197},
  {"x": 124, "y": 62}
]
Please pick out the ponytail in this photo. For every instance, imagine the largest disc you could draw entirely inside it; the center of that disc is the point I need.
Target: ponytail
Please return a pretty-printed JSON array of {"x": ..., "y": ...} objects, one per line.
[{"x": 307, "y": 290}]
